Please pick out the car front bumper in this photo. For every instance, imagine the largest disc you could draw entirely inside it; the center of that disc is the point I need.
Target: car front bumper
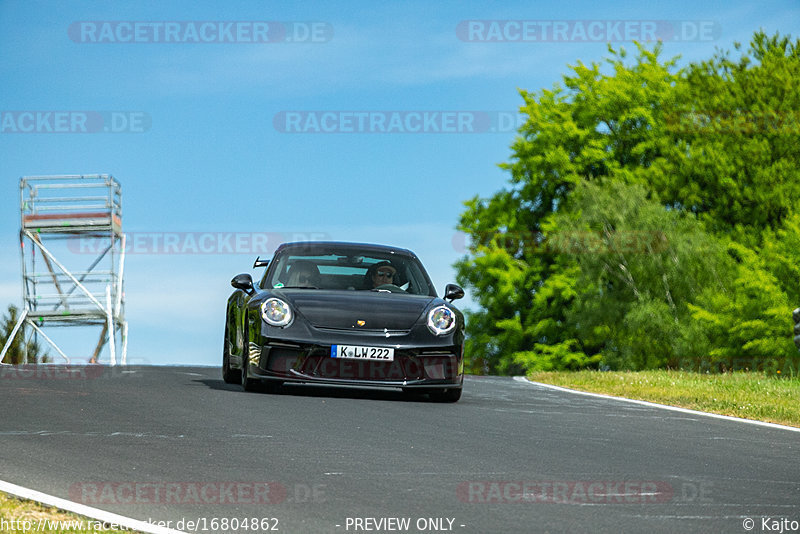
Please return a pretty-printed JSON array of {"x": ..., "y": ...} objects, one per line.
[
  {"x": 302, "y": 353},
  {"x": 412, "y": 367}
]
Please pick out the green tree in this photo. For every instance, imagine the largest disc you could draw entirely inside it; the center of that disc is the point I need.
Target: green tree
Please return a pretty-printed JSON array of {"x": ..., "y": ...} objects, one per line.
[
  {"x": 749, "y": 326},
  {"x": 736, "y": 162},
  {"x": 640, "y": 267},
  {"x": 703, "y": 156},
  {"x": 595, "y": 125}
]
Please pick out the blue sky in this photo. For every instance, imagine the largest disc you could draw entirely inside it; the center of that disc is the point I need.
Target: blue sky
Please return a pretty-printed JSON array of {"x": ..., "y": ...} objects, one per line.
[{"x": 215, "y": 158}]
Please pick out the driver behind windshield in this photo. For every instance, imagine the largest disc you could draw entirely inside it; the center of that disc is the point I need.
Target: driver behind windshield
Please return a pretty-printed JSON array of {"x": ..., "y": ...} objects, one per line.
[
  {"x": 380, "y": 274},
  {"x": 304, "y": 274}
]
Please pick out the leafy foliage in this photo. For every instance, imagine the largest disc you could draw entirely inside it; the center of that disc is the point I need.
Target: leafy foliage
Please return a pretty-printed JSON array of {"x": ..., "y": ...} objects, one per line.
[
  {"x": 751, "y": 324},
  {"x": 640, "y": 265},
  {"x": 651, "y": 219}
]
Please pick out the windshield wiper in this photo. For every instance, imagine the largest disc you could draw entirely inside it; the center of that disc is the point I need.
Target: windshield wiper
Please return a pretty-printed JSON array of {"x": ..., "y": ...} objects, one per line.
[{"x": 299, "y": 287}]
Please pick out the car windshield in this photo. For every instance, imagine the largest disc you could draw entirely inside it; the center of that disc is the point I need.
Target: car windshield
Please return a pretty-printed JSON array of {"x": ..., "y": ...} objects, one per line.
[{"x": 348, "y": 270}]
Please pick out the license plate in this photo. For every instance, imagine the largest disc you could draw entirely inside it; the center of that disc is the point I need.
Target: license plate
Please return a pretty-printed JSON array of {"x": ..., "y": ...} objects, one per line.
[{"x": 352, "y": 352}]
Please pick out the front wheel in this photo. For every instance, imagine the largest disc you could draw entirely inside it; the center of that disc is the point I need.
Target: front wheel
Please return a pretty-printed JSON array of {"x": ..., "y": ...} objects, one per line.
[
  {"x": 230, "y": 376},
  {"x": 248, "y": 384}
]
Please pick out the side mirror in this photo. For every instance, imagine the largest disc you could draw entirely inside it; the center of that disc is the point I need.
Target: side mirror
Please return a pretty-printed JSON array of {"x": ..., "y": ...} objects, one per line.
[
  {"x": 243, "y": 282},
  {"x": 453, "y": 292}
]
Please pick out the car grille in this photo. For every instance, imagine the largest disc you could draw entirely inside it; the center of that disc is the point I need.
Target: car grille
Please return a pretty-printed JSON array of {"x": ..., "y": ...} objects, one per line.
[
  {"x": 364, "y": 331},
  {"x": 316, "y": 362},
  {"x": 323, "y": 366}
]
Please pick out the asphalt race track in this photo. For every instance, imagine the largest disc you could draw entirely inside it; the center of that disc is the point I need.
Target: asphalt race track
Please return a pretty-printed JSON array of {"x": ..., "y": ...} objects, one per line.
[{"x": 177, "y": 444}]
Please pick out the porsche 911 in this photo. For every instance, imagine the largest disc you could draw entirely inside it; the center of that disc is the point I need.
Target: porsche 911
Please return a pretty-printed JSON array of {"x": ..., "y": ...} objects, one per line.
[{"x": 345, "y": 314}]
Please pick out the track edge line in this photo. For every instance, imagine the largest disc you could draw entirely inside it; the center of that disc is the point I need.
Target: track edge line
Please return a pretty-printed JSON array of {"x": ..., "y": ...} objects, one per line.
[
  {"x": 661, "y": 406},
  {"x": 82, "y": 509}
]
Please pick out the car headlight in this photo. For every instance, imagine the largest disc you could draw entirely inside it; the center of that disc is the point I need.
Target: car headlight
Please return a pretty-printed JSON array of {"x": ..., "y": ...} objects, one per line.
[
  {"x": 276, "y": 312},
  {"x": 441, "y": 320}
]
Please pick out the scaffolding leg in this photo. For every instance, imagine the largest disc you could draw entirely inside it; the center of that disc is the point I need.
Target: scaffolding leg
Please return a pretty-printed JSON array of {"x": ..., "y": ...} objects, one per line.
[
  {"x": 100, "y": 343},
  {"x": 125, "y": 343},
  {"x": 13, "y": 334},
  {"x": 121, "y": 273},
  {"x": 111, "y": 332}
]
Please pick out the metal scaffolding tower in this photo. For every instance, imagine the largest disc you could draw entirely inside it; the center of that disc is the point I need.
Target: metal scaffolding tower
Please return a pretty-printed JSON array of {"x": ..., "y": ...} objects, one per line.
[{"x": 73, "y": 255}]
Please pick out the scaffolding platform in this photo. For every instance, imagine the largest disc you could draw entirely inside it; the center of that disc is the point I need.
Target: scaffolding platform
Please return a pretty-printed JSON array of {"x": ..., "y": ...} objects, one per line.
[
  {"x": 73, "y": 222},
  {"x": 72, "y": 249}
]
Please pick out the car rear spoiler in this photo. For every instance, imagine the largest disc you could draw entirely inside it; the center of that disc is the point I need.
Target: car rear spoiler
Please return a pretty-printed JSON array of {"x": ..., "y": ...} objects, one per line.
[{"x": 260, "y": 263}]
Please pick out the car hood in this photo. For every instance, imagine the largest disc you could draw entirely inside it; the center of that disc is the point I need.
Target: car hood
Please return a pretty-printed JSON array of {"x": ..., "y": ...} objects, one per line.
[{"x": 344, "y": 309}]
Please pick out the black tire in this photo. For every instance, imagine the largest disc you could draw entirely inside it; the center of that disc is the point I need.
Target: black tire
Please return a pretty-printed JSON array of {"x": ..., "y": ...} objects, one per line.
[
  {"x": 230, "y": 376},
  {"x": 248, "y": 384},
  {"x": 445, "y": 395}
]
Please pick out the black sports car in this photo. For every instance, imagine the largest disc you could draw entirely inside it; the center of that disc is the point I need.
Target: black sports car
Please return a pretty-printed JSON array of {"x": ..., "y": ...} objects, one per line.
[{"x": 347, "y": 314}]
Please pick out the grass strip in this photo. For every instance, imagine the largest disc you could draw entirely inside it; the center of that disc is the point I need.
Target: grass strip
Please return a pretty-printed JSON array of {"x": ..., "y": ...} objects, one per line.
[
  {"x": 24, "y": 516},
  {"x": 747, "y": 395}
]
